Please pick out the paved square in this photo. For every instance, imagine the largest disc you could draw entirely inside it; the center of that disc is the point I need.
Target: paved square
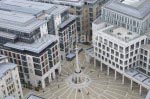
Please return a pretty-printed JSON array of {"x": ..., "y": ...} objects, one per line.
[{"x": 100, "y": 86}]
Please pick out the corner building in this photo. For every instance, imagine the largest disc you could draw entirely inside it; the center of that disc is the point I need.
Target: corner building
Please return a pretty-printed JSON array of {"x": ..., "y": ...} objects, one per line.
[
  {"x": 10, "y": 85},
  {"x": 85, "y": 10},
  {"x": 121, "y": 40},
  {"x": 27, "y": 40}
]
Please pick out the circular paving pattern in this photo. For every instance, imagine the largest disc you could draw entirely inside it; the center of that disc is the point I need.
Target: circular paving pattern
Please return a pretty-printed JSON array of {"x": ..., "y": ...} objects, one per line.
[
  {"x": 95, "y": 85},
  {"x": 84, "y": 81}
]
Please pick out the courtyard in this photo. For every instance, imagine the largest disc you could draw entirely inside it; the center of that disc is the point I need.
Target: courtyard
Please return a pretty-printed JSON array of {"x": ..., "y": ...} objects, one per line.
[{"x": 98, "y": 86}]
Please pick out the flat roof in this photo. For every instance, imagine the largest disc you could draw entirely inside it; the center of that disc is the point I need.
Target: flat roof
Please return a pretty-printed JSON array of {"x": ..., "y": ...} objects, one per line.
[
  {"x": 25, "y": 15},
  {"x": 68, "y": 2},
  {"x": 121, "y": 33},
  {"x": 134, "y": 8},
  {"x": 132, "y": 72},
  {"x": 4, "y": 67},
  {"x": 133, "y": 3},
  {"x": 10, "y": 17},
  {"x": 147, "y": 82},
  {"x": 7, "y": 35},
  {"x": 138, "y": 76},
  {"x": 36, "y": 46},
  {"x": 146, "y": 46},
  {"x": 27, "y": 28},
  {"x": 70, "y": 18},
  {"x": 24, "y": 6}
]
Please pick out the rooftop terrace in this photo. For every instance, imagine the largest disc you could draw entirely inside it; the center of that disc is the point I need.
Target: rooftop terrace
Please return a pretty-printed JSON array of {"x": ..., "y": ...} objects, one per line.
[
  {"x": 35, "y": 47},
  {"x": 121, "y": 33},
  {"x": 135, "y": 8},
  {"x": 5, "y": 67},
  {"x": 25, "y": 15},
  {"x": 147, "y": 47},
  {"x": 134, "y": 3}
]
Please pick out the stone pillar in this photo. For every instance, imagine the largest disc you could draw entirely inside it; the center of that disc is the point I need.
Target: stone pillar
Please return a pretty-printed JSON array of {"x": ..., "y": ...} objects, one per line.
[
  {"x": 59, "y": 70},
  {"x": 122, "y": 79},
  {"x": 94, "y": 62},
  {"x": 131, "y": 87},
  {"x": 101, "y": 66},
  {"x": 50, "y": 78},
  {"x": 43, "y": 84},
  {"x": 107, "y": 70},
  {"x": 54, "y": 75},
  {"x": 140, "y": 90},
  {"x": 115, "y": 74}
]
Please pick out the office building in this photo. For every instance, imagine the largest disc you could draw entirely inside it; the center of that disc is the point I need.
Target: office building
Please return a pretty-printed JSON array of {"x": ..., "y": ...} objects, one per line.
[
  {"x": 85, "y": 10},
  {"x": 10, "y": 85},
  {"x": 121, "y": 40},
  {"x": 27, "y": 39}
]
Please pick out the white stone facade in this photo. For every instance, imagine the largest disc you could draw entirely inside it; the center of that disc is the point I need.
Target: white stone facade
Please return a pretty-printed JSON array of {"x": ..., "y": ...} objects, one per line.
[{"x": 10, "y": 82}]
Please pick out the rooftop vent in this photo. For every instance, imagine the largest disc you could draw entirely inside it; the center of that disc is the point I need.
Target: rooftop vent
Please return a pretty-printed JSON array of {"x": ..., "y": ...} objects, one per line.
[
  {"x": 119, "y": 33},
  {"x": 129, "y": 33}
]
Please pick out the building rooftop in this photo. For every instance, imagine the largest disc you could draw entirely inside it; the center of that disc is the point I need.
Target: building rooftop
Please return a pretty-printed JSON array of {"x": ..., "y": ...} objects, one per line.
[
  {"x": 71, "y": 18},
  {"x": 138, "y": 76},
  {"x": 7, "y": 35},
  {"x": 4, "y": 67},
  {"x": 25, "y": 16},
  {"x": 134, "y": 8},
  {"x": 27, "y": 7},
  {"x": 69, "y": 2},
  {"x": 35, "y": 47},
  {"x": 14, "y": 17},
  {"x": 146, "y": 46},
  {"x": 72, "y": 2},
  {"x": 121, "y": 33},
  {"x": 134, "y": 3}
]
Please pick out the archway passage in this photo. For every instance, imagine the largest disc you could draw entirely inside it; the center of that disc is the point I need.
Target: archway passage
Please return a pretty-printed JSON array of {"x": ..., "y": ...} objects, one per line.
[{"x": 57, "y": 71}]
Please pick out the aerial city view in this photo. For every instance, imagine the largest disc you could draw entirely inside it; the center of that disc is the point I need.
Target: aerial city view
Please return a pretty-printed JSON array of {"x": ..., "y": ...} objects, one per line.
[{"x": 74, "y": 49}]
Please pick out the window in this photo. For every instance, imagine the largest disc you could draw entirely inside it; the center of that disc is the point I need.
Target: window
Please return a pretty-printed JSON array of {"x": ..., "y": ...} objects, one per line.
[
  {"x": 117, "y": 54},
  {"x": 23, "y": 57},
  {"x": 127, "y": 50},
  {"x": 38, "y": 72},
  {"x": 37, "y": 66},
  {"x": 132, "y": 47},
  {"x": 131, "y": 54},
  {"x": 116, "y": 46},
  {"x": 36, "y": 60},
  {"x": 121, "y": 56},
  {"x": 110, "y": 44},
  {"x": 145, "y": 52},
  {"x": 108, "y": 49},
  {"x": 142, "y": 42},
  {"x": 26, "y": 70},
  {"x": 112, "y": 51},
  {"x": 120, "y": 49},
  {"x": 137, "y": 45}
]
